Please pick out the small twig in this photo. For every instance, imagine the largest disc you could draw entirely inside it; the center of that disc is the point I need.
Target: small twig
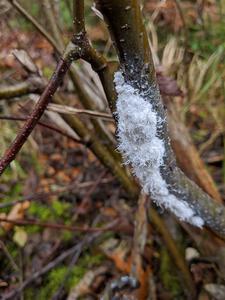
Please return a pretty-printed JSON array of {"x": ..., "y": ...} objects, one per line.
[
  {"x": 48, "y": 11},
  {"x": 60, "y": 290},
  {"x": 69, "y": 6},
  {"x": 203, "y": 147},
  {"x": 173, "y": 250},
  {"x": 46, "y": 125},
  {"x": 186, "y": 42},
  {"x": 106, "y": 154},
  {"x": 25, "y": 222},
  {"x": 64, "y": 109},
  {"x": 55, "y": 81},
  {"x": 32, "y": 197},
  {"x": 18, "y": 90},
  {"x": 42, "y": 196},
  {"x": 78, "y": 15},
  {"x": 21, "y": 276},
  {"x": 66, "y": 276},
  {"x": 140, "y": 268},
  {"x": 77, "y": 248},
  {"x": 86, "y": 201},
  {"x": 9, "y": 256},
  {"x": 38, "y": 26}
]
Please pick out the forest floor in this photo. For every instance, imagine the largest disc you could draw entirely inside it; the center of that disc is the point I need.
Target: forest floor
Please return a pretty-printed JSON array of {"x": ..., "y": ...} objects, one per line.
[{"x": 75, "y": 229}]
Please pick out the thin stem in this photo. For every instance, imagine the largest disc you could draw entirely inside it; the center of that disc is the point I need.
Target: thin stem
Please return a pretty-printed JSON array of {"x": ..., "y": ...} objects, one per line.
[
  {"x": 100, "y": 66},
  {"x": 18, "y": 90},
  {"x": 69, "y": 6},
  {"x": 46, "y": 125},
  {"x": 173, "y": 250},
  {"x": 24, "y": 222},
  {"x": 48, "y": 10},
  {"x": 39, "y": 108},
  {"x": 36, "y": 24},
  {"x": 86, "y": 241},
  {"x": 78, "y": 16},
  {"x": 9, "y": 256},
  {"x": 64, "y": 109}
]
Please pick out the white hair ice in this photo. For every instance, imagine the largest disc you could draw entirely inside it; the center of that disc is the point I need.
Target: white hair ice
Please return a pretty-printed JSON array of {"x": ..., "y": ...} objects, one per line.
[{"x": 144, "y": 150}]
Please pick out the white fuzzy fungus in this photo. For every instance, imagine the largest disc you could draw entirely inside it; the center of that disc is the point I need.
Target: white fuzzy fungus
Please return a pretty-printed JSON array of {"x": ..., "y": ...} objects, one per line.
[{"x": 144, "y": 150}]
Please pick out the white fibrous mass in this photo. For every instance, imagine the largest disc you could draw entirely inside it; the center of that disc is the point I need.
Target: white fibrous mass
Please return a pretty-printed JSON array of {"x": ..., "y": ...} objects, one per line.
[{"x": 144, "y": 150}]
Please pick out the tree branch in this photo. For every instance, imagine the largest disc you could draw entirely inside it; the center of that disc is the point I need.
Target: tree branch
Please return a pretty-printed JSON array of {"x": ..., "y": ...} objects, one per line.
[
  {"x": 105, "y": 75},
  {"x": 46, "y": 125},
  {"x": 19, "y": 90},
  {"x": 48, "y": 11},
  {"x": 126, "y": 27},
  {"x": 32, "y": 20},
  {"x": 23, "y": 222},
  {"x": 78, "y": 15},
  {"x": 70, "y": 54}
]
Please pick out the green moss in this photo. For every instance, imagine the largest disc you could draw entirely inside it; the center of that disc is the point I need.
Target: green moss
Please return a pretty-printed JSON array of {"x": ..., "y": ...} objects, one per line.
[
  {"x": 54, "y": 279},
  {"x": 92, "y": 260},
  {"x": 55, "y": 210},
  {"x": 66, "y": 15},
  {"x": 40, "y": 211},
  {"x": 33, "y": 229},
  {"x": 13, "y": 194},
  {"x": 32, "y": 159},
  {"x": 47, "y": 72},
  {"x": 50, "y": 213},
  {"x": 53, "y": 282},
  {"x": 60, "y": 208},
  {"x": 169, "y": 279},
  {"x": 67, "y": 235},
  {"x": 13, "y": 172},
  {"x": 28, "y": 294}
]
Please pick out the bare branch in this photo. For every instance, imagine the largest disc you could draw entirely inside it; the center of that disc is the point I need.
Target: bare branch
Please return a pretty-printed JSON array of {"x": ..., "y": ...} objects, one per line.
[
  {"x": 78, "y": 16},
  {"x": 36, "y": 24},
  {"x": 125, "y": 22},
  {"x": 46, "y": 125},
  {"x": 55, "y": 81},
  {"x": 18, "y": 90},
  {"x": 22, "y": 222},
  {"x": 104, "y": 73},
  {"x": 48, "y": 11},
  {"x": 64, "y": 109}
]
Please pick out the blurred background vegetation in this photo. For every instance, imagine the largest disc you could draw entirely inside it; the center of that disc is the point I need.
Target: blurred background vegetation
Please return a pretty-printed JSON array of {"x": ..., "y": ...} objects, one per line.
[{"x": 58, "y": 177}]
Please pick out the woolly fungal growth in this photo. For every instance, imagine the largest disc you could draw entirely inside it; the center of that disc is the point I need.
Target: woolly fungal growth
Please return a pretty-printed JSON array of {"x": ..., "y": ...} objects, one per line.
[{"x": 144, "y": 150}]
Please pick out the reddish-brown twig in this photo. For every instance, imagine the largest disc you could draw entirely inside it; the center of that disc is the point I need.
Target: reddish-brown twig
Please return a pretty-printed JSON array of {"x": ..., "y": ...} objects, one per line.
[
  {"x": 39, "y": 109},
  {"x": 24, "y": 222},
  {"x": 43, "y": 124}
]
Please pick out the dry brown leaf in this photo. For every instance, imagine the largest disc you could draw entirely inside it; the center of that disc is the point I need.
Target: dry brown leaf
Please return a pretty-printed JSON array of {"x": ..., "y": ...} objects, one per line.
[
  {"x": 119, "y": 253},
  {"x": 167, "y": 85},
  {"x": 25, "y": 60},
  {"x": 216, "y": 290},
  {"x": 17, "y": 212},
  {"x": 85, "y": 286},
  {"x": 3, "y": 283},
  {"x": 109, "y": 212}
]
